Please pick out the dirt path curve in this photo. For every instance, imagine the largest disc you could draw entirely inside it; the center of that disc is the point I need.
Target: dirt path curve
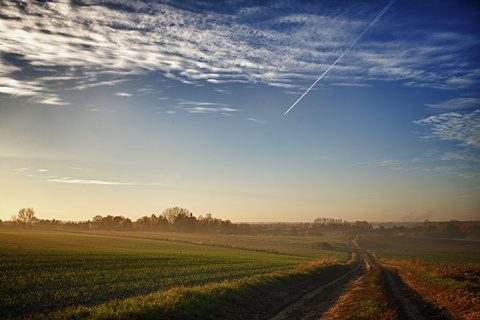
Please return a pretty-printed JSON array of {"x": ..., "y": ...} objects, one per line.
[
  {"x": 316, "y": 302},
  {"x": 326, "y": 299}
]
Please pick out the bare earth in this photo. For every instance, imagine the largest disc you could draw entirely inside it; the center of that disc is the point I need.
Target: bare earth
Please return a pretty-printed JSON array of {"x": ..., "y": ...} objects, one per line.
[{"x": 336, "y": 299}]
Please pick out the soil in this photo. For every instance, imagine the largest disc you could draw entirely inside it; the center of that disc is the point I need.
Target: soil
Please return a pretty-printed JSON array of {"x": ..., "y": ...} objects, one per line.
[
  {"x": 333, "y": 300},
  {"x": 318, "y": 301}
]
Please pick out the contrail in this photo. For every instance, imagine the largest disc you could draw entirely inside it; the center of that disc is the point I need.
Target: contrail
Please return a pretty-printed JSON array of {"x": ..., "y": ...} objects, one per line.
[{"x": 348, "y": 49}]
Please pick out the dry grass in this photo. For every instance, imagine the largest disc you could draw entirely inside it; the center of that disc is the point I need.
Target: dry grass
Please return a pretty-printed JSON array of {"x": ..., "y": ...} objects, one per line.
[
  {"x": 315, "y": 264},
  {"x": 453, "y": 287},
  {"x": 366, "y": 299}
]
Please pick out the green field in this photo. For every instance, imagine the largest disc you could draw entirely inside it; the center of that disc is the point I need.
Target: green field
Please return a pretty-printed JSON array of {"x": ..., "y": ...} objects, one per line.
[
  {"x": 425, "y": 250},
  {"x": 47, "y": 271}
]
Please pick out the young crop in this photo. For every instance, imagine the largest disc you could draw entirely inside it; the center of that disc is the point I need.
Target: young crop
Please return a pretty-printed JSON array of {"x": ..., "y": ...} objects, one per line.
[{"x": 48, "y": 271}]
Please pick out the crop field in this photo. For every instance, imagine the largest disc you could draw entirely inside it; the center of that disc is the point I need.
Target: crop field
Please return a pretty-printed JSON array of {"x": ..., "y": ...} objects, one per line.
[
  {"x": 294, "y": 246},
  {"x": 47, "y": 271},
  {"x": 425, "y": 250}
]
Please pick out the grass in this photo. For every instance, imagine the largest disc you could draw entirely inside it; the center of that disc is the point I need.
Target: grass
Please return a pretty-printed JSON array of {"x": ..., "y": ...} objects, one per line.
[
  {"x": 239, "y": 299},
  {"x": 49, "y": 271},
  {"x": 295, "y": 246}
]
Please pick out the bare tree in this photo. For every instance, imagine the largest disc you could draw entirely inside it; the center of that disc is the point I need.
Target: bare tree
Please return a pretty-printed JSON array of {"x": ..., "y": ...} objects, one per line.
[
  {"x": 171, "y": 214},
  {"x": 26, "y": 215}
]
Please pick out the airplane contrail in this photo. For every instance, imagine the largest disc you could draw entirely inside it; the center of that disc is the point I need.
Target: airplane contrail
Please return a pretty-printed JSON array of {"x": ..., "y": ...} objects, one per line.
[{"x": 348, "y": 49}]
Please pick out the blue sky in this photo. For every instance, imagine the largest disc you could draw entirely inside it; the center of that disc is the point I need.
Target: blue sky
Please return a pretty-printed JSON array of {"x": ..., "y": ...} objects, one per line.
[{"x": 130, "y": 107}]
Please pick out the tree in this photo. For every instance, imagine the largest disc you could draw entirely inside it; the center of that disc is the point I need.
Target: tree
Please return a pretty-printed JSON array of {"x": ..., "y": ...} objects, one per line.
[
  {"x": 171, "y": 214},
  {"x": 26, "y": 215}
]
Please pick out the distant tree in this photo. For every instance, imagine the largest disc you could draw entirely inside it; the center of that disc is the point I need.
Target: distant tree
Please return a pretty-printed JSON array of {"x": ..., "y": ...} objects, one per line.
[
  {"x": 158, "y": 223},
  {"x": 142, "y": 224},
  {"x": 127, "y": 225},
  {"x": 171, "y": 214},
  {"x": 26, "y": 215},
  {"x": 184, "y": 222},
  {"x": 293, "y": 231}
]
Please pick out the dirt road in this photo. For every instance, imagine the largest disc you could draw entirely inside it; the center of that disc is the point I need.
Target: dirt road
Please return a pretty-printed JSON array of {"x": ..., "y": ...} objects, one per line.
[
  {"x": 318, "y": 301},
  {"x": 371, "y": 290}
]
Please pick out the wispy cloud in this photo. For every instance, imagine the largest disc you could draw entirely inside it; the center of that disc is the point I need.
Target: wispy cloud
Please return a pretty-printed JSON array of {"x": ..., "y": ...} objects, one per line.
[
  {"x": 457, "y": 103},
  {"x": 453, "y": 126},
  {"x": 256, "y": 121},
  {"x": 123, "y": 94},
  {"x": 211, "y": 110},
  {"x": 99, "y": 84},
  {"x": 462, "y": 128},
  {"x": 88, "y": 45},
  {"x": 471, "y": 176},
  {"x": 79, "y": 168},
  {"x": 101, "y": 182},
  {"x": 463, "y": 156},
  {"x": 349, "y": 84},
  {"x": 198, "y": 103}
]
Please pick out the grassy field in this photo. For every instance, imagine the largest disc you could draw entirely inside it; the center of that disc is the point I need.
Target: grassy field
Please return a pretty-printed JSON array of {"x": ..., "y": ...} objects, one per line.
[
  {"x": 305, "y": 247},
  {"x": 48, "y": 271}
]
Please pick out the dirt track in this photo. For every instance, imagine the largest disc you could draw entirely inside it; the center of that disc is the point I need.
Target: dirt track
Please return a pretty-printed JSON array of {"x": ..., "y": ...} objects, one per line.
[
  {"x": 410, "y": 305},
  {"x": 337, "y": 299},
  {"x": 315, "y": 303}
]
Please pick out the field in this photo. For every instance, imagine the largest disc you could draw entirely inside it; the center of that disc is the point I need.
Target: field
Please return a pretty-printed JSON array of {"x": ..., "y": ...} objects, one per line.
[
  {"x": 45, "y": 272},
  {"x": 163, "y": 275}
]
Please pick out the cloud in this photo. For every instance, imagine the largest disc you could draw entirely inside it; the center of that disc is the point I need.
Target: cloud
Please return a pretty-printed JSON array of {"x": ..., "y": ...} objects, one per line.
[
  {"x": 210, "y": 110},
  {"x": 391, "y": 164},
  {"x": 283, "y": 45},
  {"x": 99, "y": 84},
  {"x": 471, "y": 176},
  {"x": 457, "y": 103},
  {"x": 101, "y": 182},
  {"x": 388, "y": 162},
  {"x": 28, "y": 88},
  {"x": 347, "y": 84},
  {"x": 453, "y": 126},
  {"x": 123, "y": 94},
  {"x": 462, "y": 128},
  {"x": 256, "y": 121},
  {"x": 79, "y": 168},
  {"x": 464, "y": 156},
  {"x": 197, "y": 103}
]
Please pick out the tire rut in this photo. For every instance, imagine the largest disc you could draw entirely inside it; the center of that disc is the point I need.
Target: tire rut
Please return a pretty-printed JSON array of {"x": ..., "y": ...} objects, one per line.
[
  {"x": 315, "y": 303},
  {"x": 409, "y": 304}
]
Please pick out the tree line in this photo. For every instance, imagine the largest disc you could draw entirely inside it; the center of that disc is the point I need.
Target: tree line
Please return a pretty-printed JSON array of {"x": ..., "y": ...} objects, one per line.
[
  {"x": 172, "y": 219},
  {"x": 178, "y": 219}
]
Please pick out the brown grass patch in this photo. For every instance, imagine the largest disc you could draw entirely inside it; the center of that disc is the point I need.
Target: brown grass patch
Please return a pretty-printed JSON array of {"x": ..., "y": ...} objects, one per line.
[{"x": 453, "y": 287}]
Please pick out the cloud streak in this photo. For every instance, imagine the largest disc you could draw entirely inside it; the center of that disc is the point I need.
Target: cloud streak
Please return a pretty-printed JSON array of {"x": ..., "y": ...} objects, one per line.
[
  {"x": 84, "y": 46},
  {"x": 453, "y": 126},
  {"x": 101, "y": 182}
]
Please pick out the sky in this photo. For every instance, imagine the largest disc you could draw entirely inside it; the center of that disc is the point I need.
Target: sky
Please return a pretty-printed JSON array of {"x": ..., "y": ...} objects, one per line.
[{"x": 129, "y": 107}]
